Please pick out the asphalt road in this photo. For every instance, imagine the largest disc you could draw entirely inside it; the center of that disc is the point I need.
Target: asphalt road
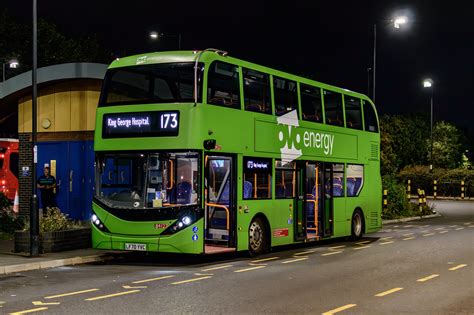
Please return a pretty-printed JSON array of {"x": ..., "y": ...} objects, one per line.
[{"x": 421, "y": 267}]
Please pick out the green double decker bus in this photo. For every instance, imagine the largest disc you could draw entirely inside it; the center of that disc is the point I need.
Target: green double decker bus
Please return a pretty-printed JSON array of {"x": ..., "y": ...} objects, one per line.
[{"x": 198, "y": 152}]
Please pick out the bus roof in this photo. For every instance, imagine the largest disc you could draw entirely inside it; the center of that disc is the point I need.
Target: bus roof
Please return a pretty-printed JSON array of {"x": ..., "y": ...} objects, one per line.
[{"x": 208, "y": 56}]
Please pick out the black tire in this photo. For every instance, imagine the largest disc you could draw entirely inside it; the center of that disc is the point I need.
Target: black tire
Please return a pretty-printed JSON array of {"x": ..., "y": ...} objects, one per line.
[
  {"x": 258, "y": 237},
  {"x": 357, "y": 225}
]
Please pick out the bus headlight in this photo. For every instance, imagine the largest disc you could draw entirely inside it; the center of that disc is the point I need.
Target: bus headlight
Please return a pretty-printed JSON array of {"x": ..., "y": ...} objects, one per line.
[
  {"x": 186, "y": 220},
  {"x": 180, "y": 224},
  {"x": 96, "y": 221}
]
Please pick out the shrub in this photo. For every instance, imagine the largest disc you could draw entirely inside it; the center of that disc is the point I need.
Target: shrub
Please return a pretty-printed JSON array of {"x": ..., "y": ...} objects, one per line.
[
  {"x": 448, "y": 180},
  {"x": 54, "y": 221},
  {"x": 9, "y": 221},
  {"x": 398, "y": 204}
]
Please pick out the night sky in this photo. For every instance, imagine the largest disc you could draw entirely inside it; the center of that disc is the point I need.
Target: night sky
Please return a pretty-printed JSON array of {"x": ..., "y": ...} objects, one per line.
[{"x": 330, "y": 41}]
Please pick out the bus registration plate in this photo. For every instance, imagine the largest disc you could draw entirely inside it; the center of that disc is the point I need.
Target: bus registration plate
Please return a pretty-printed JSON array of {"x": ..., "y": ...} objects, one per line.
[{"x": 140, "y": 247}]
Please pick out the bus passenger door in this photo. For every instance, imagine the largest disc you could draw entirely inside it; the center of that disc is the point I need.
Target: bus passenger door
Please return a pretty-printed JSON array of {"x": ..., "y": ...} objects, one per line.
[
  {"x": 219, "y": 190},
  {"x": 331, "y": 186},
  {"x": 310, "y": 201}
]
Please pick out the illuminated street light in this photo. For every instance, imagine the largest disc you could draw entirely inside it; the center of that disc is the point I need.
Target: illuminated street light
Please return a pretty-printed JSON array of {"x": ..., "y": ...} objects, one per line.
[
  {"x": 154, "y": 35},
  {"x": 12, "y": 64},
  {"x": 428, "y": 83},
  {"x": 397, "y": 22}
]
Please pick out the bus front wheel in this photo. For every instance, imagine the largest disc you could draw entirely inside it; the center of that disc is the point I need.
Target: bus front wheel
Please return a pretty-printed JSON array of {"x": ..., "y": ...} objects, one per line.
[
  {"x": 258, "y": 237},
  {"x": 357, "y": 225}
]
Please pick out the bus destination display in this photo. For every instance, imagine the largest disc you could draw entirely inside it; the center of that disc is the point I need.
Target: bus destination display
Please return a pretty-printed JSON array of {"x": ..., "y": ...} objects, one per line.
[{"x": 141, "y": 124}]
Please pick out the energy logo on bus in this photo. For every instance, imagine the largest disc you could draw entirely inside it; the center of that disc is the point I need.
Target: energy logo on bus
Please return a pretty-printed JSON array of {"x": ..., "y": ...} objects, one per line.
[{"x": 293, "y": 141}]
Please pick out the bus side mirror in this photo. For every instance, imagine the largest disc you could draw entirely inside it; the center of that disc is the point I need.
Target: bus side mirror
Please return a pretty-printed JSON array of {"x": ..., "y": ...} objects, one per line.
[{"x": 209, "y": 144}]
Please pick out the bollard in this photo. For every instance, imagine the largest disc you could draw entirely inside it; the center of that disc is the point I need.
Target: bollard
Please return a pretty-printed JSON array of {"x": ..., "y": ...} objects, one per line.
[
  {"x": 435, "y": 182},
  {"x": 462, "y": 189},
  {"x": 409, "y": 189},
  {"x": 424, "y": 197},
  {"x": 385, "y": 200},
  {"x": 420, "y": 200}
]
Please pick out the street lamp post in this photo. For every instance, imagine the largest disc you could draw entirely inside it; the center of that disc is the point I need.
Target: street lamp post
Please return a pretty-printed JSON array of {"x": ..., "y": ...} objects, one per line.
[
  {"x": 428, "y": 83},
  {"x": 34, "y": 215},
  {"x": 396, "y": 22},
  {"x": 156, "y": 36}
]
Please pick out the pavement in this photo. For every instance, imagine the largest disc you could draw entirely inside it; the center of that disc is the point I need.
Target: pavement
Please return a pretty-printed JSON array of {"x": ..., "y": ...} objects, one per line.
[{"x": 418, "y": 267}]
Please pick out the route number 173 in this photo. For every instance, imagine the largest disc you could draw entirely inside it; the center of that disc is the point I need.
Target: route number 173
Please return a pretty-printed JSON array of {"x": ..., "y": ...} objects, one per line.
[{"x": 169, "y": 120}]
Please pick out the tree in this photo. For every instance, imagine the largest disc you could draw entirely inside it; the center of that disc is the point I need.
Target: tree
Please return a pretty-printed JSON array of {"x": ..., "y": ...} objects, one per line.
[
  {"x": 403, "y": 142},
  {"x": 53, "y": 46},
  {"x": 448, "y": 148}
]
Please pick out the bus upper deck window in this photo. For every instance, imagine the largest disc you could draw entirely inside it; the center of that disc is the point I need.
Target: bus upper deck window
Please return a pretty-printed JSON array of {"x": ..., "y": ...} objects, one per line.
[
  {"x": 353, "y": 112},
  {"x": 370, "y": 118},
  {"x": 257, "y": 91},
  {"x": 285, "y": 96},
  {"x": 333, "y": 108}
]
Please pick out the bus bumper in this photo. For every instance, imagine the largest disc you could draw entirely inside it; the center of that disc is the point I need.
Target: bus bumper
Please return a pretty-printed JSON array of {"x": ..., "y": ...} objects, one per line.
[{"x": 190, "y": 240}]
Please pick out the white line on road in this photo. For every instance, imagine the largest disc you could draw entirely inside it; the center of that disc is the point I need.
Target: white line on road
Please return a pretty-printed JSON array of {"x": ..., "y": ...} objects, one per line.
[
  {"x": 442, "y": 232},
  {"x": 427, "y": 278},
  {"x": 331, "y": 253},
  {"x": 457, "y": 267},
  {"x": 337, "y": 247},
  {"x": 192, "y": 280},
  {"x": 339, "y": 309},
  {"x": 409, "y": 238},
  {"x": 385, "y": 243},
  {"x": 362, "y": 247},
  {"x": 305, "y": 252},
  {"x": 152, "y": 279},
  {"x": 459, "y": 229},
  {"x": 294, "y": 260},
  {"x": 70, "y": 293},
  {"x": 249, "y": 269},
  {"x": 381, "y": 294},
  {"x": 101, "y": 297},
  {"x": 217, "y": 267},
  {"x": 408, "y": 234},
  {"x": 363, "y": 242},
  {"x": 429, "y": 234}
]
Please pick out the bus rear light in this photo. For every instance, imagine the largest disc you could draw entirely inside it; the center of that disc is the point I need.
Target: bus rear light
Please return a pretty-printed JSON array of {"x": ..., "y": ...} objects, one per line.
[{"x": 3, "y": 182}]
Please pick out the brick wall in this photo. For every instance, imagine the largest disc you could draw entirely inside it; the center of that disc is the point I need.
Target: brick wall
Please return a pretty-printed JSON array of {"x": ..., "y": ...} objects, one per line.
[{"x": 26, "y": 159}]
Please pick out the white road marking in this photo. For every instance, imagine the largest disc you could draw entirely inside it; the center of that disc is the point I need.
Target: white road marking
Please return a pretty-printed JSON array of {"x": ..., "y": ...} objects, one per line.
[{"x": 331, "y": 253}]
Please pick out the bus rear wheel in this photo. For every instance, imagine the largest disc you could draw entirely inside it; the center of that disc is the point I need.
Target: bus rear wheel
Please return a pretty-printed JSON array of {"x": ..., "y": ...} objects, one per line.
[
  {"x": 258, "y": 237},
  {"x": 357, "y": 225}
]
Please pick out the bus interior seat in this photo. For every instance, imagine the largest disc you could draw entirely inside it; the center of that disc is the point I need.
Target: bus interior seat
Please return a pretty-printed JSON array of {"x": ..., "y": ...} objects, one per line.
[
  {"x": 280, "y": 191},
  {"x": 248, "y": 187}
]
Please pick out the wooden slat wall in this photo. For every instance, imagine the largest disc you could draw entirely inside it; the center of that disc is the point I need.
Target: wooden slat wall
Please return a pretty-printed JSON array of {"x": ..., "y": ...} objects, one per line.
[{"x": 70, "y": 106}]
